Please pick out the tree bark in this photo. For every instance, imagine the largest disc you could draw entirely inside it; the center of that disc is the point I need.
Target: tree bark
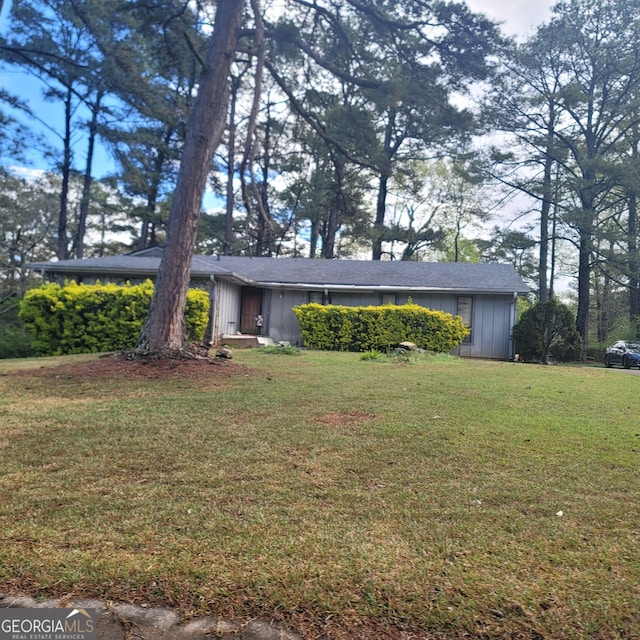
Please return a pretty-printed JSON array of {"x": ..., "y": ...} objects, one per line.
[
  {"x": 164, "y": 328},
  {"x": 88, "y": 178},
  {"x": 381, "y": 205},
  {"x": 66, "y": 176},
  {"x": 634, "y": 263},
  {"x": 227, "y": 247},
  {"x": 329, "y": 244},
  {"x": 584, "y": 282},
  {"x": 543, "y": 290},
  {"x": 383, "y": 188},
  {"x": 147, "y": 228}
]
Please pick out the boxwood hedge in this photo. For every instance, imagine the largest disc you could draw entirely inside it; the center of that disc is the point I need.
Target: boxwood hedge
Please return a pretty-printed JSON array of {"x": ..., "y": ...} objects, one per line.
[
  {"x": 343, "y": 328},
  {"x": 92, "y": 318}
]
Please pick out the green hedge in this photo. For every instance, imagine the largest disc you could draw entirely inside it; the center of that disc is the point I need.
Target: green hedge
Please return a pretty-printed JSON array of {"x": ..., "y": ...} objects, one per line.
[
  {"x": 547, "y": 329},
  {"x": 82, "y": 318},
  {"x": 342, "y": 328}
]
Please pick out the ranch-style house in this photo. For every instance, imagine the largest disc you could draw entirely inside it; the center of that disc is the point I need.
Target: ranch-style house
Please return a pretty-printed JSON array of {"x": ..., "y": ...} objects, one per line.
[{"x": 254, "y": 296}]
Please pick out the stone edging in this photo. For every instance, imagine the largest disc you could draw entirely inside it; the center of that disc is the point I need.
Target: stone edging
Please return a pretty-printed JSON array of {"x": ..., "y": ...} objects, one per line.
[{"x": 133, "y": 622}]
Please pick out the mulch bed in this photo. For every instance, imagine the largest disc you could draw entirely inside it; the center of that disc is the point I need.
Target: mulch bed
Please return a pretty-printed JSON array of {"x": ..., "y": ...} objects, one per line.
[{"x": 122, "y": 366}]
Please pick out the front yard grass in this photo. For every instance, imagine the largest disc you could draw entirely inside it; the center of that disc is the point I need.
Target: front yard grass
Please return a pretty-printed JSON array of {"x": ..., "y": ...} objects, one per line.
[{"x": 442, "y": 498}]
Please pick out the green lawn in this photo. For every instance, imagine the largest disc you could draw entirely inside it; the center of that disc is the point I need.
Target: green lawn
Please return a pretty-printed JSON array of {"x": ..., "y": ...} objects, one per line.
[{"x": 347, "y": 498}]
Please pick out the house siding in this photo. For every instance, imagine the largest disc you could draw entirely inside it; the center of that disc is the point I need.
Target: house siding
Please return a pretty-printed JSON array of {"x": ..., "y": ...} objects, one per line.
[
  {"x": 282, "y": 324},
  {"x": 227, "y": 309},
  {"x": 492, "y": 316}
]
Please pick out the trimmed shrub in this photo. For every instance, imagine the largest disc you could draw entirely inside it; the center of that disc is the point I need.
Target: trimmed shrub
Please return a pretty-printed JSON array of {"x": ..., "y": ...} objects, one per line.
[
  {"x": 15, "y": 342},
  {"x": 547, "y": 329},
  {"x": 379, "y": 328},
  {"x": 82, "y": 318}
]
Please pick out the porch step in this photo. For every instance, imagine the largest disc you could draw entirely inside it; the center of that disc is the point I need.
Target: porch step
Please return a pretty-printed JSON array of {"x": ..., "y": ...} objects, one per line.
[{"x": 245, "y": 340}]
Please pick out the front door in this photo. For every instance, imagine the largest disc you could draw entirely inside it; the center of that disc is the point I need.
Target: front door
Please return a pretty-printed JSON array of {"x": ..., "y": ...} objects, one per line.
[{"x": 251, "y": 311}]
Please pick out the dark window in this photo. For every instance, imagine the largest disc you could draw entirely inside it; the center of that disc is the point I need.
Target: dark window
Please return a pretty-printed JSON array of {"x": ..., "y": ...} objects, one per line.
[
  {"x": 320, "y": 297},
  {"x": 465, "y": 311}
]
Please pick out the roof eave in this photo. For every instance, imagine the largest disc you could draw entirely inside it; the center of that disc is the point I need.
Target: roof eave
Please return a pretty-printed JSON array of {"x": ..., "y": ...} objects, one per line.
[
  {"x": 102, "y": 271},
  {"x": 379, "y": 287}
]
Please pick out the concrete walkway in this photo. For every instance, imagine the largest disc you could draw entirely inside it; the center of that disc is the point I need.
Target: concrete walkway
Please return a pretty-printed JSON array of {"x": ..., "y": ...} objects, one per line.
[{"x": 132, "y": 622}]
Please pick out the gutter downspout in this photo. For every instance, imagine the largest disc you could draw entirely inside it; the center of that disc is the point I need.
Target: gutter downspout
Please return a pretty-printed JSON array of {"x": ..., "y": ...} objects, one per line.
[
  {"x": 213, "y": 304},
  {"x": 513, "y": 313}
]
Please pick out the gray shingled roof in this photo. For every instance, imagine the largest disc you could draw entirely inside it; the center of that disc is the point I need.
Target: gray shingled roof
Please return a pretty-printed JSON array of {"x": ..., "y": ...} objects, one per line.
[{"x": 448, "y": 276}]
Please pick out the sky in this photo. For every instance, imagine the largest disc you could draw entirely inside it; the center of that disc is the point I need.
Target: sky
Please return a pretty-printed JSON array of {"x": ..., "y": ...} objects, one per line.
[{"x": 518, "y": 18}]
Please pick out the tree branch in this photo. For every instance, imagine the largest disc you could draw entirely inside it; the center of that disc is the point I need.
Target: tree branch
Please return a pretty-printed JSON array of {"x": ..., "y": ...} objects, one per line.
[
  {"x": 248, "y": 156},
  {"x": 313, "y": 123}
]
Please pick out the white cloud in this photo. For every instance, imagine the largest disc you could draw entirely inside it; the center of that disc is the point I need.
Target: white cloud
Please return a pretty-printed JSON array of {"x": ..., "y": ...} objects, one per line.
[
  {"x": 518, "y": 18},
  {"x": 25, "y": 172}
]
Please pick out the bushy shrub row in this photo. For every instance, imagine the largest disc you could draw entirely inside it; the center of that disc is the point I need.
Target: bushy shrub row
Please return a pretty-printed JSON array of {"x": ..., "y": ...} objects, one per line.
[
  {"x": 342, "y": 328},
  {"x": 82, "y": 318}
]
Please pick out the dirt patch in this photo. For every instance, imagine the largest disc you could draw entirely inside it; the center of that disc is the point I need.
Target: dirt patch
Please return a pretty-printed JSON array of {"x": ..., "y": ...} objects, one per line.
[
  {"x": 120, "y": 366},
  {"x": 344, "y": 419}
]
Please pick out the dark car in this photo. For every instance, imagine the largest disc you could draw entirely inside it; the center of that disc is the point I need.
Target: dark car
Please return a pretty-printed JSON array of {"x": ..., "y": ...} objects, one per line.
[{"x": 623, "y": 353}]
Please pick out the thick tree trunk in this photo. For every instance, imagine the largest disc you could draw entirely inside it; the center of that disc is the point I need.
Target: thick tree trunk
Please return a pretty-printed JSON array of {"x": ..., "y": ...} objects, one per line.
[{"x": 164, "y": 328}]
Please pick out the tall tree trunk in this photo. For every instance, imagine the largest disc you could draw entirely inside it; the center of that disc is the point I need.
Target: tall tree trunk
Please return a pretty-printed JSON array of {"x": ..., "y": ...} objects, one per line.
[
  {"x": 227, "y": 247},
  {"x": 164, "y": 328},
  {"x": 602, "y": 297},
  {"x": 313, "y": 238},
  {"x": 329, "y": 243},
  {"x": 66, "y": 175},
  {"x": 587, "y": 223},
  {"x": 543, "y": 260},
  {"x": 634, "y": 263},
  {"x": 86, "y": 185},
  {"x": 554, "y": 234},
  {"x": 147, "y": 228},
  {"x": 456, "y": 240},
  {"x": 261, "y": 193},
  {"x": 584, "y": 285},
  {"x": 383, "y": 186},
  {"x": 381, "y": 205}
]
